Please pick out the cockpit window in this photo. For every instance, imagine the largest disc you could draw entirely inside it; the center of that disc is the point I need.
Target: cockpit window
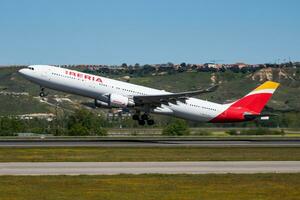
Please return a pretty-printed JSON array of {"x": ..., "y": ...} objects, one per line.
[{"x": 31, "y": 68}]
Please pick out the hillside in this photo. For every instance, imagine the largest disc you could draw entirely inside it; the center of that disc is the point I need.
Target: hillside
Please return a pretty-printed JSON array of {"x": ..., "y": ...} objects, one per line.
[
  {"x": 233, "y": 85},
  {"x": 19, "y": 96}
]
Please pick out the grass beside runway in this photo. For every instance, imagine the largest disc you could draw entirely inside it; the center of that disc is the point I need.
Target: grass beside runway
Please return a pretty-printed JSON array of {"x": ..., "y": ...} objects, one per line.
[
  {"x": 188, "y": 187},
  {"x": 119, "y": 154}
]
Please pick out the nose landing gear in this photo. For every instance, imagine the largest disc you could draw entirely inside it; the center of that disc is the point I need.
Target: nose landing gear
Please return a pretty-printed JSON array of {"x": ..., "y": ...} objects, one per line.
[{"x": 42, "y": 92}]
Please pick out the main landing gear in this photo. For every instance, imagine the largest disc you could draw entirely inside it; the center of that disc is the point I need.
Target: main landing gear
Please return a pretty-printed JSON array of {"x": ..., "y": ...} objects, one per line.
[
  {"x": 42, "y": 92},
  {"x": 143, "y": 119}
]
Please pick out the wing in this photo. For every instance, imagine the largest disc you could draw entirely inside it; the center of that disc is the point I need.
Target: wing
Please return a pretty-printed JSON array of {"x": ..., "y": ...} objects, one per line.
[{"x": 170, "y": 98}]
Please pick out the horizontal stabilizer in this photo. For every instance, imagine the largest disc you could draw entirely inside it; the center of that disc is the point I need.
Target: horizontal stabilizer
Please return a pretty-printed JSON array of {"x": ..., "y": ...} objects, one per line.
[{"x": 260, "y": 116}]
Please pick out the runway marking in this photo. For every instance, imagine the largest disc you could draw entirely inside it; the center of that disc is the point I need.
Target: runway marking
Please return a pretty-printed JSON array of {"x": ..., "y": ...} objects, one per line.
[{"x": 113, "y": 168}]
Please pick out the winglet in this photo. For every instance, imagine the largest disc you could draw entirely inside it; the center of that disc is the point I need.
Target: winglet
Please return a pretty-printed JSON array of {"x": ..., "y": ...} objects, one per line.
[{"x": 212, "y": 88}]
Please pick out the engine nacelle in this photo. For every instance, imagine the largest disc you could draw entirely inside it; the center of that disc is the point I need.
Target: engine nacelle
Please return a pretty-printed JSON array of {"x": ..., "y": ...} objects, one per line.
[
  {"x": 120, "y": 101},
  {"x": 101, "y": 104}
]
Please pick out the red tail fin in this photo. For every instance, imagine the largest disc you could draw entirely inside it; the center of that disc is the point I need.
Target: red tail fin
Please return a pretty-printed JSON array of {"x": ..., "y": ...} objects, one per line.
[
  {"x": 257, "y": 99},
  {"x": 251, "y": 104}
]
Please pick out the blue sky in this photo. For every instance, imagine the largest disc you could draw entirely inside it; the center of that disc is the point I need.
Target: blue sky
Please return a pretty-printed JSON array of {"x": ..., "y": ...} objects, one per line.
[{"x": 148, "y": 31}]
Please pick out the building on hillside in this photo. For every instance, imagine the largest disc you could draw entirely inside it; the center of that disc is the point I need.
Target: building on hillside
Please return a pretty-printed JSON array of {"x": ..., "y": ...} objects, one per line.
[
  {"x": 210, "y": 65},
  {"x": 240, "y": 65}
]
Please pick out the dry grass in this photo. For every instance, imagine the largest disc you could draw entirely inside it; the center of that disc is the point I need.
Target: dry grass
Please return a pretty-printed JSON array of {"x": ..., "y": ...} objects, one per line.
[{"x": 177, "y": 187}]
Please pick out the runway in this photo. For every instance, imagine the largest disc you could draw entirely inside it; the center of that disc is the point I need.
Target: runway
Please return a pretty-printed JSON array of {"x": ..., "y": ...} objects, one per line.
[
  {"x": 113, "y": 168},
  {"x": 151, "y": 143}
]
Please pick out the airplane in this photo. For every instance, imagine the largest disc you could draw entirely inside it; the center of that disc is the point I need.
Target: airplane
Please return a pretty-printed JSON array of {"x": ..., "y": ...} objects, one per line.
[{"x": 143, "y": 101}]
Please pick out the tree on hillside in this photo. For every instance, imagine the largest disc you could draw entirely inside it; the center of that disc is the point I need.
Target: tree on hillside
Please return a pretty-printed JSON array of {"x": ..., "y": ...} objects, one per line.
[
  {"x": 124, "y": 65},
  {"x": 83, "y": 122},
  {"x": 10, "y": 126},
  {"x": 183, "y": 65},
  {"x": 176, "y": 128}
]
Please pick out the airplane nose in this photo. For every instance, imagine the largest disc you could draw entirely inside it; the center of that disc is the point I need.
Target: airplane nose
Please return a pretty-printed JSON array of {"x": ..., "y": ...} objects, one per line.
[{"x": 22, "y": 71}]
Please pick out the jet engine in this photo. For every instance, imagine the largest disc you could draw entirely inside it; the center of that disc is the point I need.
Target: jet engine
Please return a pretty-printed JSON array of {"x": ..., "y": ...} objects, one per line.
[
  {"x": 120, "y": 101},
  {"x": 101, "y": 104}
]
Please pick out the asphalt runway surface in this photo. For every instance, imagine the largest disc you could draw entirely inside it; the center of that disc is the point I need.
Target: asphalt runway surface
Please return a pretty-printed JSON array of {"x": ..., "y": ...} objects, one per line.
[
  {"x": 151, "y": 143},
  {"x": 113, "y": 168}
]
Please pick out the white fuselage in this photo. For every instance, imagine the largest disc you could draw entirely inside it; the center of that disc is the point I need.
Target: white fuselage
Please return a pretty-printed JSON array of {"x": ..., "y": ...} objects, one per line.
[{"x": 95, "y": 87}]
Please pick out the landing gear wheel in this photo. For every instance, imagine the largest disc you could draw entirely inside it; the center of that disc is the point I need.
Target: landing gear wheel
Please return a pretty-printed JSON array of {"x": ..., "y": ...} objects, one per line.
[
  {"x": 150, "y": 122},
  {"x": 144, "y": 117},
  {"x": 142, "y": 122},
  {"x": 135, "y": 117},
  {"x": 42, "y": 94}
]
